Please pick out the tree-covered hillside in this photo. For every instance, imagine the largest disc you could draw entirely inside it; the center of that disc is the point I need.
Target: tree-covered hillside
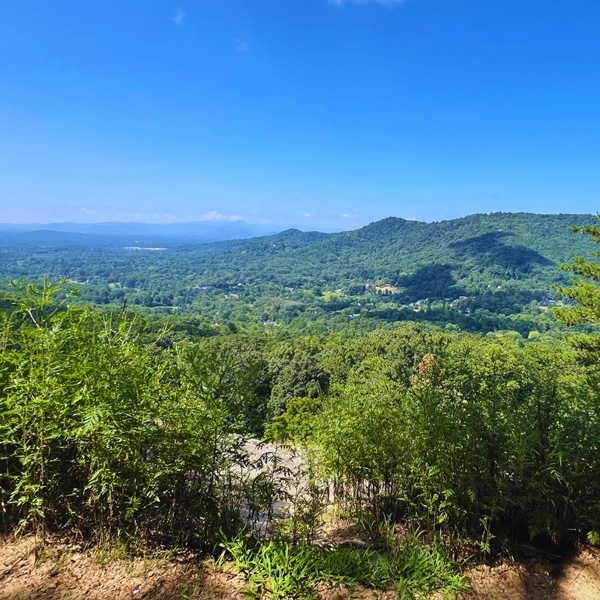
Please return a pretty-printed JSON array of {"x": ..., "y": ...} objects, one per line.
[
  {"x": 475, "y": 272},
  {"x": 501, "y": 245}
]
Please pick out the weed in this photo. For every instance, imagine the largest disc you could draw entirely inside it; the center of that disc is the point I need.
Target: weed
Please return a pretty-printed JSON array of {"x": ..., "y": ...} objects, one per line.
[
  {"x": 188, "y": 591},
  {"x": 278, "y": 569}
]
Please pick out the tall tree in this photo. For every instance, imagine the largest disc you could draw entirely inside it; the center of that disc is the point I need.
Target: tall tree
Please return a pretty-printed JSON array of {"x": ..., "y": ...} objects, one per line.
[{"x": 584, "y": 290}]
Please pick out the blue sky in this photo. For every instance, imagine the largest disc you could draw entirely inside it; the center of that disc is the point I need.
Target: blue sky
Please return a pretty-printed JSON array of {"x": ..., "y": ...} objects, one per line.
[{"x": 313, "y": 113}]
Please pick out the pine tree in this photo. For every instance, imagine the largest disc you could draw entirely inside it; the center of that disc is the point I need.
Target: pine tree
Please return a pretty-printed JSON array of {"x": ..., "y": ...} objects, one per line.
[{"x": 584, "y": 290}]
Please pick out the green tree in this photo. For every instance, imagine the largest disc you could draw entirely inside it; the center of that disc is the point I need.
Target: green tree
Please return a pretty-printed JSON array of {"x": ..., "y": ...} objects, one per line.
[{"x": 585, "y": 290}]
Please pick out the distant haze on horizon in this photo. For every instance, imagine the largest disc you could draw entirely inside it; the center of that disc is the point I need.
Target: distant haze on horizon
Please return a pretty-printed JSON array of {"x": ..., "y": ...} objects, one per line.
[
  {"x": 321, "y": 114},
  {"x": 246, "y": 228}
]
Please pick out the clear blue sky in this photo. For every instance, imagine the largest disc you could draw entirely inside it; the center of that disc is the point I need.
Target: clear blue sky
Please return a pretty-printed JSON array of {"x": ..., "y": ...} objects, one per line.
[{"x": 297, "y": 111}]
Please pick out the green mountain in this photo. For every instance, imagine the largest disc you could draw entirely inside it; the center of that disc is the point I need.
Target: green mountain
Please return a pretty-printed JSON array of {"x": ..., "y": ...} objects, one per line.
[
  {"x": 496, "y": 264},
  {"x": 505, "y": 246}
]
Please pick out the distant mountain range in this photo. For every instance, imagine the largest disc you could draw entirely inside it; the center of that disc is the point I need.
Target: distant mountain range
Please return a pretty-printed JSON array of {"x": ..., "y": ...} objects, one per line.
[
  {"x": 497, "y": 262},
  {"x": 191, "y": 232}
]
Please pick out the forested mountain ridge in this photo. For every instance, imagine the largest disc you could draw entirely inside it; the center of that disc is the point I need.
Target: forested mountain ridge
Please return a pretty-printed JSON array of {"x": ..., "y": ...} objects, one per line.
[
  {"x": 508, "y": 245},
  {"x": 477, "y": 272}
]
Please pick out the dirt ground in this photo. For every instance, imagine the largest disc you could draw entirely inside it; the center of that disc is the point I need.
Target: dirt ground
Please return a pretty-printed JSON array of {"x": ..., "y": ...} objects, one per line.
[
  {"x": 63, "y": 572},
  {"x": 577, "y": 578}
]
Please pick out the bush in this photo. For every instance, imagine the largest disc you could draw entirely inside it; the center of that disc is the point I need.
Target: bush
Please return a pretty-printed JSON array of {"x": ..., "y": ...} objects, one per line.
[
  {"x": 280, "y": 570},
  {"x": 102, "y": 436},
  {"x": 488, "y": 440}
]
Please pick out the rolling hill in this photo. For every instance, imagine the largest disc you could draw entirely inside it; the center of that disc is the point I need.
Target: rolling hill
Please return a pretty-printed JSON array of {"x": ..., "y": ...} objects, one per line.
[{"x": 497, "y": 263}]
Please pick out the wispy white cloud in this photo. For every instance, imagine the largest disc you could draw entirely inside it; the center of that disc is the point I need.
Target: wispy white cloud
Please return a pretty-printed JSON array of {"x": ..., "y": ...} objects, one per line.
[
  {"x": 347, "y": 216},
  {"x": 213, "y": 215},
  {"x": 241, "y": 45},
  {"x": 305, "y": 215},
  {"x": 89, "y": 211},
  {"x": 382, "y": 2},
  {"x": 178, "y": 18},
  {"x": 155, "y": 217}
]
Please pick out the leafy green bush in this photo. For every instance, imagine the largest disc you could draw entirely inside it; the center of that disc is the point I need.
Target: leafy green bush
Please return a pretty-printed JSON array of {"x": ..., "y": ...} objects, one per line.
[
  {"x": 103, "y": 436},
  {"x": 487, "y": 439}
]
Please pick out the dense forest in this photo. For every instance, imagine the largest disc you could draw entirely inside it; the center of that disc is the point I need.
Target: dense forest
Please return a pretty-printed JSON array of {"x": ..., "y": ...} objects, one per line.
[
  {"x": 132, "y": 423},
  {"x": 482, "y": 273}
]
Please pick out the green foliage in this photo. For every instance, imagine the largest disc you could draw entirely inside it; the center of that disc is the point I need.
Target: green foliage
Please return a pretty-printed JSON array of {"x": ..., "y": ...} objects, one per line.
[
  {"x": 103, "y": 436},
  {"x": 295, "y": 373},
  {"x": 279, "y": 570},
  {"x": 296, "y": 423},
  {"x": 584, "y": 291},
  {"x": 476, "y": 439},
  {"x": 274, "y": 569}
]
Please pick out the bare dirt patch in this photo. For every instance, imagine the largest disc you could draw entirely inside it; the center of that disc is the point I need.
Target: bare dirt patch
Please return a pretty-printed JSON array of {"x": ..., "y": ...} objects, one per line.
[
  {"x": 57, "y": 572},
  {"x": 577, "y": 578},
  {"x": 63, "y": 572}
]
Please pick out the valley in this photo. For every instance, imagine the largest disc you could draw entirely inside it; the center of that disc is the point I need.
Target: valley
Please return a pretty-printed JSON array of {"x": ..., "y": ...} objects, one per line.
[
  {"x": 482, "y": 273},
  {"x": 405, "y": 411}
]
